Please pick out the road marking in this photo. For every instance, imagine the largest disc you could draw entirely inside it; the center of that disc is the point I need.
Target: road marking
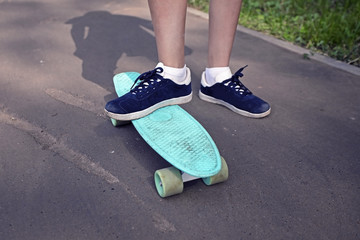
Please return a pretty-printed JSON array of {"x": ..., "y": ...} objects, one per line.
[
  {"x": 46, "y": 140},
  {"x": 75, "y": 101}
]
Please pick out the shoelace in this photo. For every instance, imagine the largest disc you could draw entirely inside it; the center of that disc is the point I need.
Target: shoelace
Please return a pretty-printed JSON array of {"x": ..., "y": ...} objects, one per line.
[
  {"x": 235, "y": 82},
  {"x": 146, "y": 79}
]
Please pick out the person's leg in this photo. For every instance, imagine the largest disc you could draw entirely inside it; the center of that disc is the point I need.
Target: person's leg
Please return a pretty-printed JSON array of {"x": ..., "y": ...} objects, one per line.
[
  {"x": 168, "y": 18},
  {"x": 223, "y": 20},
  {"x": 170, "y": 82},
  {"x": 218, "y": 85}
]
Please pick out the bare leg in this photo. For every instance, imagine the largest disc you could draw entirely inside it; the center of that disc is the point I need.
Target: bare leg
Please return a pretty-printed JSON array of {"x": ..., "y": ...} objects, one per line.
[
  {"x": 168, "y": 17},
  {"x": 223, "y": 19}
]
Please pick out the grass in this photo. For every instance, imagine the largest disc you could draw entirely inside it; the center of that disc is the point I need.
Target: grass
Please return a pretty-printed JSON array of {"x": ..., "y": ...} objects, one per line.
[{"x": 331, "y": 27}]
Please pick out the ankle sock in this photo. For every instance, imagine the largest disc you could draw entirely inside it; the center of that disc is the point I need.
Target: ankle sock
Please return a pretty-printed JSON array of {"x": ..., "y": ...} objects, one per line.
[
  {"x": 178, "y": 75},
  {"x": 217, "y": 74}
]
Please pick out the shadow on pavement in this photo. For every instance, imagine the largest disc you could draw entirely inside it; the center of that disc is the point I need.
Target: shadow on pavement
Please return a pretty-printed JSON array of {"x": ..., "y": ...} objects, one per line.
[{"x": 101, "y": 38}]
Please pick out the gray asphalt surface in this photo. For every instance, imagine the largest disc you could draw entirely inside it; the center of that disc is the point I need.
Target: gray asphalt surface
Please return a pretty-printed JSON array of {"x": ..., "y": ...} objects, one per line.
[{"x": 66, "y": 173}]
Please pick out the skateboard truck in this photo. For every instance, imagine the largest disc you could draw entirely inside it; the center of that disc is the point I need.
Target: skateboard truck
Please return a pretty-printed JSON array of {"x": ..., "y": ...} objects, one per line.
[{"x": 170, "y": 181}]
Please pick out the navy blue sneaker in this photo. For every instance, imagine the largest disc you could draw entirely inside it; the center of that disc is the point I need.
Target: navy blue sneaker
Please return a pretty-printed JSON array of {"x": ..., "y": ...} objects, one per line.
[
  {"x": 150, "y": 91},
  {"x": 232, "y": 94}
]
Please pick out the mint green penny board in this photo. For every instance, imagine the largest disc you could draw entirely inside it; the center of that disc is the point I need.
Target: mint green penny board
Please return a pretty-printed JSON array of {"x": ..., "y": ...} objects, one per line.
[{"x": 181, "y": 140}]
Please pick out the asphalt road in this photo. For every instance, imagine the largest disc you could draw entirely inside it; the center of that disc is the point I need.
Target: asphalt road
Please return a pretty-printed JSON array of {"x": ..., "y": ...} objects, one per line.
[{"x": 66, "y": 173}]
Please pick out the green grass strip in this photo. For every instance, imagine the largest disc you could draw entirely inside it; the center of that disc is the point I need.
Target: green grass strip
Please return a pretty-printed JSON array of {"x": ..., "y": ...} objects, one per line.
[{"x": 330, "y": 27}]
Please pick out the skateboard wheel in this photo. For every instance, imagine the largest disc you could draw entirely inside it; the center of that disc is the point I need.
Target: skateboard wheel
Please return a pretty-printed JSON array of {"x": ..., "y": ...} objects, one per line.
[
  {"x": 221, "y": 176},
  {"x": 168, "y": 181},
  {"x": 117, "y": 123}
]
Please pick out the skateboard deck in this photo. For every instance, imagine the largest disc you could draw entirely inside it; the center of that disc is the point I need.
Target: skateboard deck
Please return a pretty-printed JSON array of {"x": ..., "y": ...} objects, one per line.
[{"x": 177, "y": 137}]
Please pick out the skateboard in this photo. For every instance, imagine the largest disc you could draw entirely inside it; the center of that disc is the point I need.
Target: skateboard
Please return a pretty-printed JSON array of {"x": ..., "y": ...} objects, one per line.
[{"x": 178, "y": 138}]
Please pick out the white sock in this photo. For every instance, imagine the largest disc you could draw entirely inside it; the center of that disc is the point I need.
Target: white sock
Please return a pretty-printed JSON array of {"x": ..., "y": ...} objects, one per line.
[
  {"x": 178, "y": 75},
  {"x": 217, "y": 74}
]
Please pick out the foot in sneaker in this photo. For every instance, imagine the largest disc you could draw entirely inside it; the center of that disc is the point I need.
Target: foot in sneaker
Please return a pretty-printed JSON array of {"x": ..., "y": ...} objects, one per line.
[
  {"x": 232, "y": 94},
  {"x": 150, "y": 91}
]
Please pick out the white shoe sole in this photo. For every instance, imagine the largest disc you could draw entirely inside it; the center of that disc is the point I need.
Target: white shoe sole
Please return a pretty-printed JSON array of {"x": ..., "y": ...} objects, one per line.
[
  {"x": 233, "y": 108},
  {"x": 145, "y": 112}
]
